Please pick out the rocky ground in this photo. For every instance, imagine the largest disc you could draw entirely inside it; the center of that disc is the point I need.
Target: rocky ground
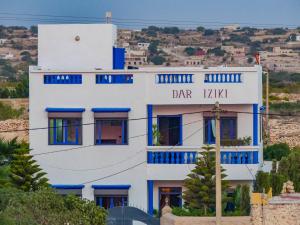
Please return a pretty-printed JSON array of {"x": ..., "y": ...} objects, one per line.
[{"x": 283, "y": 129}]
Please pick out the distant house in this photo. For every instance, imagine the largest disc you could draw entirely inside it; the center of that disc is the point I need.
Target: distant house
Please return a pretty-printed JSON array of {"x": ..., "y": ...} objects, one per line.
[
  {"x": 143, "y": 45},
  {"x": 3, "y": 41},
  {"x": 135, "y": 57},
  {"x": 7, "y": 56}
]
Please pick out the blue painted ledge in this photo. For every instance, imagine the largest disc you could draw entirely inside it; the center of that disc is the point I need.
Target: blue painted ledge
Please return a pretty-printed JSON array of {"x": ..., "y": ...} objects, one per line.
[
  {"x": 117, "y": 187},
  {"x": 65, "y": 109},
  {"x": 111, "y": 109}
]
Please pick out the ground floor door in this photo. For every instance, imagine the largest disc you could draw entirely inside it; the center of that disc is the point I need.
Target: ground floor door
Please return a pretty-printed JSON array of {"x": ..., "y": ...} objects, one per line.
[{"x": 174, "y": 195}]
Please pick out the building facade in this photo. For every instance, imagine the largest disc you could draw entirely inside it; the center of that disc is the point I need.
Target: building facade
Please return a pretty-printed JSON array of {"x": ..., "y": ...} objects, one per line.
[{"x": 103, "y": 121}]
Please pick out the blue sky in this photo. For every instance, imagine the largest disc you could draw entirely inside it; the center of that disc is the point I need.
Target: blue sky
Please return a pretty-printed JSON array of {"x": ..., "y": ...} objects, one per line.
[{"x": 141, "y": 13}]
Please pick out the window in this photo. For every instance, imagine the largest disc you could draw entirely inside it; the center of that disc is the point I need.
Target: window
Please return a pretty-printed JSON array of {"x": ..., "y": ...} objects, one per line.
[
  {"x": 108, "y": 202},
  {"x": 228, "y": 126},
  {"x": 170, "y": 130},
  {"x": 111, "y": 131},
  {"x": 65, "y": 131}
]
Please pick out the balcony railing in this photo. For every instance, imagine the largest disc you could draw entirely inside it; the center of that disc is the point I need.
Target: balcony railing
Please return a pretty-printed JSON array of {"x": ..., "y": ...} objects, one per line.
[
  {"x": 223, "y": 78},
  {"x": 174, "y": 78},
  {"x": 189, "y": 155},
  {"x": 171, "y": 157}
]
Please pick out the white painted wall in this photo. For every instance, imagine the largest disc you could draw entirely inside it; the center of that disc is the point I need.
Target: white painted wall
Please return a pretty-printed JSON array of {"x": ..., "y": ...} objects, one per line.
[
  {"x": 57, "y": 47},
  {"x": 93, "y": 162}
]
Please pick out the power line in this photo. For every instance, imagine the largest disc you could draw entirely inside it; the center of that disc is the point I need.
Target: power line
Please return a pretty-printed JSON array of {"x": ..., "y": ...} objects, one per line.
[
  {"x": 136, "y": 165},
  {"x": 92, "y": 123},
  {"x": 142, "y": 118},
  {"x": 86, "y": 146},
  {"x": 136, "y": 21}
]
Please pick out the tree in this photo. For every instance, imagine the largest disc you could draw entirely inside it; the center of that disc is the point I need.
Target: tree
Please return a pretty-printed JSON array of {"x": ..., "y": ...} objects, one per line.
[
  {"x": 208, "y": 32},
  {"x": 34, "y": 29},
  {"x": 190, "y": 51},
  {"x": 250, "y": 60},
  {"x": 262, "y": 182},
  {"x": 45, "y": 207},
  {"x": 25, "y": 173},
  {"x": 200, "y": 29},
  {"x": 200, "y": 184},
  {"x": 276, "y": 151},
  {"x": 153, "y": 47},
  {"x": 216, "y": 51},
  {"x": 245, "y": 199},
  {"x": 158, "y": 60}
]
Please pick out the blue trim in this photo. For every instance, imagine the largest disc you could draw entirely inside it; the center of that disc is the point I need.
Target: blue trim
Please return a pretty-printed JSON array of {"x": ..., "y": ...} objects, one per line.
[
  {"x": 62, "y": 79},
  {"x": 255, "y": 124},
  {"x": 67, "y": 186},
  {"x": 174, "y": 78},
  {"x": 48, "y": 109},
  {"x": 115, "y": 187},
  {"x": 114, "y": 79},
  {"x": 118, "y": 58},
  {"x": 150, "y": 184},
  {"x": 150, "y": 124},
  {"x": 111, "y": 109},
  {"x": 222, "y": 78}
]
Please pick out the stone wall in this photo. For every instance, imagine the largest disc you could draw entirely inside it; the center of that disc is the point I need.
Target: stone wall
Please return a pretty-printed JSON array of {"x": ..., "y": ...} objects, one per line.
[
  {"x": 170, "y": 219},
  {"x": 280, "y": 210}
]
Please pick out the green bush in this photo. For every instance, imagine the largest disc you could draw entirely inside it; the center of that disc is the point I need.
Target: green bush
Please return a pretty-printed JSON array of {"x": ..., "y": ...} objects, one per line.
[
  {"x": 276, "y": 151},
  {"x": 262, "y": 182},
  {"x": 7, "y": 112},
  {"x": 48, "y": 208}
]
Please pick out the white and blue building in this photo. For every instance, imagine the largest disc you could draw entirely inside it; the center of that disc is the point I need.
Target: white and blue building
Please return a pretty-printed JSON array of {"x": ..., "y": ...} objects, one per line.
[{"x": 99, "y": 141}]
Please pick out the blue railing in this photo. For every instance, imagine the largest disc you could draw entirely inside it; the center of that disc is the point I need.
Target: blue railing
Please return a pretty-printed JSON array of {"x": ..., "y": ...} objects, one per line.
[
  {"x": 172, "y": 157},
  {"x": 223, "y": 78},
  {"x": 245, "y": 157},
  {"x": 114, "y": 79},
  {"x": 174, "y": 78},
  {"x": 63, "y": 79},
  {"x": 190, "y": 157}
]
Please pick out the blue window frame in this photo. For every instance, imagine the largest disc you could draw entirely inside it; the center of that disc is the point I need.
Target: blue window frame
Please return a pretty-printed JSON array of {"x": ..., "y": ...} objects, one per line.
[
  {"x": 170, "y": 129},
  {"x": 228, "y": 129},
  {"x": 65, "y": 131},
  {"x": 110, "y": 201},
  {"x": 111, "y": 131},
  {"x": 62, "y": 79},
  {"x": 114, "y": 79}
]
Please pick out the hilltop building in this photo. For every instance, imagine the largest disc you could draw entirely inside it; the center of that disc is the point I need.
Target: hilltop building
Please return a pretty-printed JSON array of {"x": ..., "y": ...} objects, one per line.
[{"x": 100, "y": 116}]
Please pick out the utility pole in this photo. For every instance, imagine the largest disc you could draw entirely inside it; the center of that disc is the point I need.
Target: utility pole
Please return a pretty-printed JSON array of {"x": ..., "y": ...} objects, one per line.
[
  {"x": 217, "y": 111},
  {"x": 267, "y": 108}
]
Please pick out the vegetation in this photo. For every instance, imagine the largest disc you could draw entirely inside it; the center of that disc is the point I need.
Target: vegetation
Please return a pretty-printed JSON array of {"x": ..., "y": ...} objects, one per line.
[
  {"x": 285, "y": 107},
  {"x": 25, "y": 174},
  {"x": 245, "y": 141},
  {"x": 200, "y": 184},
  {"x": 284, "y": 82},
  {"x": 209, "y": 32},
  {"x": 45, "y": 207},
  {"x": 276, "y": 151},
  {"x": 241, "y": 199},
  {"x": 288, "y": 168},
  {"x": 26, "y": 199},
  {"x": 7, "y": 112},
  {"x": 216, "y": 51},
  {"x": 158, "y": 60}
]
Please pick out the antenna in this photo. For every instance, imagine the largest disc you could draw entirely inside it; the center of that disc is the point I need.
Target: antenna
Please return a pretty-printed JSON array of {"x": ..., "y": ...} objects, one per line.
[{"x": 108, "y": 15}]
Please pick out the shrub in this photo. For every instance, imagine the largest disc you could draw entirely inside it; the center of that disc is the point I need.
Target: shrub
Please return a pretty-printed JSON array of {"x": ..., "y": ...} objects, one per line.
[
  {"x": 7, "y": 112},
  {"x": 276, "y": 151},
  {"x": 47, "y": 207}
]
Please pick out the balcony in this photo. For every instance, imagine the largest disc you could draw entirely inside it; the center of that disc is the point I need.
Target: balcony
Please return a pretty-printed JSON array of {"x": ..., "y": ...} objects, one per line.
[{"x": 174, "y": 163}]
